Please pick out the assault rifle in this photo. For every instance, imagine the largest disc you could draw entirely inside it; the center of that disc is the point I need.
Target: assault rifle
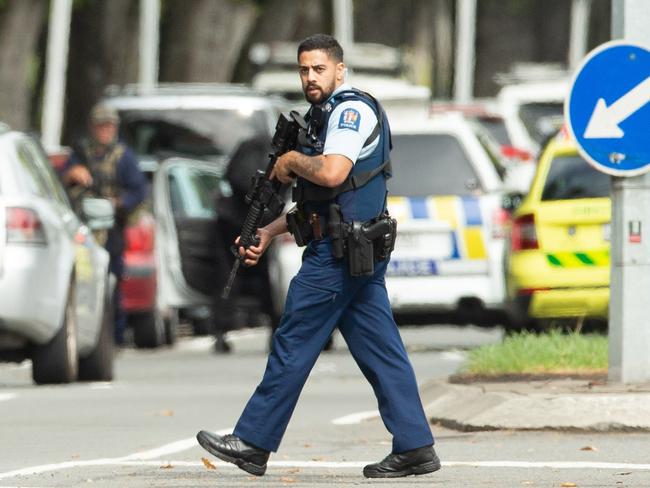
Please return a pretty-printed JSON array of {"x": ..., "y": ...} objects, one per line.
[{"x": 264, "y": 195}]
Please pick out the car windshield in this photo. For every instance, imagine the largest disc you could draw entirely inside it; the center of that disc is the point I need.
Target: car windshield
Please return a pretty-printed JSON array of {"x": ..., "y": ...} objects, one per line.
[
  {"x": 571, "y": 177},
  {"x": 496, "y": 127},
  {"x": 542, "y": 119},
  {"x": 431, "y": 164},
  {"x": 210, "y": 134}
]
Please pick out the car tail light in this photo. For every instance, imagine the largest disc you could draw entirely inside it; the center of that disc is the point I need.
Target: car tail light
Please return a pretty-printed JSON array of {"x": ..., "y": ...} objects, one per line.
[
  {"x": 139, "y": 238},
  {"x": 524, "y": 235},
  {"x": 24, "y": 226},
  {"x": 512, "y": 152},
  {"x": 500, "y": 222}
]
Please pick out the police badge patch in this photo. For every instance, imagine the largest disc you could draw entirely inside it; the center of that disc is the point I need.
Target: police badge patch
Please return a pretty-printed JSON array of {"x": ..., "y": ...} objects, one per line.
[{"x": 350, "y": 119}]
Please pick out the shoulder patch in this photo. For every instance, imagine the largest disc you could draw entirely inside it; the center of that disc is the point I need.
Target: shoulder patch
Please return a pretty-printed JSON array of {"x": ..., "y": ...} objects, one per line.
[{"x": 350, "y": 119}]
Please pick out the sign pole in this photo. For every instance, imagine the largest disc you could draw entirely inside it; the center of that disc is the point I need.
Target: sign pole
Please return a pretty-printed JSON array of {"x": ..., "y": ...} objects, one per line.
[{"x": 629, "y": 317}]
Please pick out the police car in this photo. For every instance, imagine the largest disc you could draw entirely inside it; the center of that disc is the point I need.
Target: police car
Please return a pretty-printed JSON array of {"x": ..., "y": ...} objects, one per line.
[
  {"x": 557, "y": 263},
  {"x": 446, "y": 196}
]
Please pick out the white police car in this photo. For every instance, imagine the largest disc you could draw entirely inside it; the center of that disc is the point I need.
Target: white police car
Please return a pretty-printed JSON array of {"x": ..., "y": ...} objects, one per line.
[{"x": 446, "y": 196}]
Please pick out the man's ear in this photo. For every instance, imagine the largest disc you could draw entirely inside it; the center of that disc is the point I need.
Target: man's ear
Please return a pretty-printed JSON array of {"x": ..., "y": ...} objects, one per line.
[{"x": 340, "y": 72}]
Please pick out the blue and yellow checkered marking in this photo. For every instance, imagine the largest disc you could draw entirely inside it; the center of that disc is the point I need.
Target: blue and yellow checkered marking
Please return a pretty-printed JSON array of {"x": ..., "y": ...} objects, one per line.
[{"x": 463, "y": 214}]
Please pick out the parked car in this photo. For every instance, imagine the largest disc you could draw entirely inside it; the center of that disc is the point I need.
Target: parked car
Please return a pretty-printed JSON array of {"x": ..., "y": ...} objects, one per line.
[
  {"x": 55, "y": 288},
  {"x": 446, "y": 196},
  {"x": 515, "y": 165},
  {"x": 151, "y": 326},
  {"x": 204, "y": 122},
  {"x": 532, "y": 112},
  {"x": 557, "y": 257},
  {"x": 184, "y": 197}
]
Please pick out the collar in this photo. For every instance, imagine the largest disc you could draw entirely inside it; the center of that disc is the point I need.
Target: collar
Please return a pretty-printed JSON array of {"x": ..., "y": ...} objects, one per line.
[{"x": 326, "y": 106}]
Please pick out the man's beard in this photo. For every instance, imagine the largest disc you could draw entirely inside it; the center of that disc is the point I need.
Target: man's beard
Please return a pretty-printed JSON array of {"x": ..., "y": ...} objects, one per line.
[{"x": 323, "y": 94}]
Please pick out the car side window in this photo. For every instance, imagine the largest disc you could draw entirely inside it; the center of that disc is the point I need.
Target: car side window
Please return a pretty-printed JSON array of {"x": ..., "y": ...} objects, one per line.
[
  {"x": 193, "y": 192},
  {"x": 50, "y": 179},
  {"x": 29, "y": 172}
]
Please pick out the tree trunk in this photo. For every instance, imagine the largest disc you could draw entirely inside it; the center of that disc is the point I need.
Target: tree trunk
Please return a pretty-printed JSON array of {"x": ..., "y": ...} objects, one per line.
[
  {"x": 283, "y": 20},
  {"x": 103, "y": 51},
  {"x": 202, "y": 39},
  {"x": 443, "y": 51},
  {"x": 21, "y": 23}
]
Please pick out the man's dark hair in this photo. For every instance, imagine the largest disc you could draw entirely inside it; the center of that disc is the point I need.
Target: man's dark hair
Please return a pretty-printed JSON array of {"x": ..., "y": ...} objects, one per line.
[{"x": 322, "y": 42}]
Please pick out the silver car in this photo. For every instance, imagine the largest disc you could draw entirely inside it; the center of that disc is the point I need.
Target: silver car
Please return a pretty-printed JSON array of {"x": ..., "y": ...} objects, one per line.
[{"x": 55, "y": 306}]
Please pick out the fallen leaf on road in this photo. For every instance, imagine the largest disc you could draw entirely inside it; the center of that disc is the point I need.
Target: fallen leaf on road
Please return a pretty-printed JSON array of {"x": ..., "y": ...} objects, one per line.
[
  {"x": 624, "y": 474},
  {"x": 568, "y": 484},
  {"x": 166, "y": 413},
  {"x": 293, "y": 471},
  {"x": 287, "y": 480},
  {"x": 588, "y": 448},
  {"x": 166, "y": 466},
  {"x": 208, "y": 464},
  {"x": 307, "y": 445},
  {"x": 527, "y": 482}
]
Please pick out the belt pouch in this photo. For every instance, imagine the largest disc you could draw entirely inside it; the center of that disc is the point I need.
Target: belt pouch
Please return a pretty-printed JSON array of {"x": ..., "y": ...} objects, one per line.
[{"x": 299, "y": 227}]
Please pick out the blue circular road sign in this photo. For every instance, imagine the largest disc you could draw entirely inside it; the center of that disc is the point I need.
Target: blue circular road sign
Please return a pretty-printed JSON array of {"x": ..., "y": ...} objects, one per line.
[{"x": 608, "y": 108}]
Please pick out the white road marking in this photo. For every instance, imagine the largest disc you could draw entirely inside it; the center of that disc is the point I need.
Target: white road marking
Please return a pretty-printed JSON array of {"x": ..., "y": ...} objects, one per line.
[
  {"x": 101, "y": 385},
  {"x": 356, "y": 418},
  {"x": 7, "y": 396},
  {"x": 152, "y": 457},
  {"x": 138, "y": 457},
  {"x": 324, "y": 465},
  {"x": 171, "y": 448}
]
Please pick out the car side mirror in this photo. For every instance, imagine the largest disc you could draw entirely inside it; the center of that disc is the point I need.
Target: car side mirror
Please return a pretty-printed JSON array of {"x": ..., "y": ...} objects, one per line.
[
  {"x": 98, "y": 213},
  {"x": 511, "y": 201}
]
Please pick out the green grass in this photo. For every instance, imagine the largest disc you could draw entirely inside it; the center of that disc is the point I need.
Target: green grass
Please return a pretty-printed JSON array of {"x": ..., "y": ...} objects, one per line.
[{"x": 552, "y": 352}]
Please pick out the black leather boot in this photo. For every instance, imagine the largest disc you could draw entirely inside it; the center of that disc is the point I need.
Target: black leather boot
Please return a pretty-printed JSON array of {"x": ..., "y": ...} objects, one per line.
[
  {"x": 422, "y": 460},
  {"x": 232, "y": 449}
]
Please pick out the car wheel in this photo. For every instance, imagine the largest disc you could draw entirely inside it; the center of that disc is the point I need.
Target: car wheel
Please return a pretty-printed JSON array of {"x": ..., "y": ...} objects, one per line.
[
  {"x": 98, "y": 365},
  {"x": 57, "y": 361},
  {"x": 171, "y": 326},
  {"x": 148, "y": 329}
]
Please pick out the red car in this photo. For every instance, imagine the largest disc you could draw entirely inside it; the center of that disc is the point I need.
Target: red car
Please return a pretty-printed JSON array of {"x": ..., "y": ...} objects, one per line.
[{"x": 139, "y": 286}]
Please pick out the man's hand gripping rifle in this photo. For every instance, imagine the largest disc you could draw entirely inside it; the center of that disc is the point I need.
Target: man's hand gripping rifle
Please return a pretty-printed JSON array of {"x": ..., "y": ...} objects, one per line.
[{"x": 263, "y": 195}]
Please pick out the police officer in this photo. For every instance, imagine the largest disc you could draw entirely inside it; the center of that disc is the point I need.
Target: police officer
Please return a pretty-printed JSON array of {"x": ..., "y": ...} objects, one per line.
[
  {"x": 343, "y": 172},
  {"x": 103, "y": 167}
]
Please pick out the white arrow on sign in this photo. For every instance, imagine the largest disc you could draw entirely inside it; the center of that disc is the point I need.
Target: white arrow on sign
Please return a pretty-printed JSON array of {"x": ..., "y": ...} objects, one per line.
[{"x": 603, "y": 123}]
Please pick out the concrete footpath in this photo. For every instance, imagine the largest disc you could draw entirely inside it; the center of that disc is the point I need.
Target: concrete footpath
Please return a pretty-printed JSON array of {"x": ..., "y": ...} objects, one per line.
[{"x": 554, "y": 404}]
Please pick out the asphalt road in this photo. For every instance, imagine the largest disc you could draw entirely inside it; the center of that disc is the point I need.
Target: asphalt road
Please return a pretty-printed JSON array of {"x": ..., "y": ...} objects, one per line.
[{"x": 138, "y": 431}]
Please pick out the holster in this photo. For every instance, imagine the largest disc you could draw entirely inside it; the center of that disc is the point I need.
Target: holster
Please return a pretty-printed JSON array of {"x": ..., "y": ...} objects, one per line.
[
  {"x": 364, "y": 243},
  {"x": 299, "y": 226}
]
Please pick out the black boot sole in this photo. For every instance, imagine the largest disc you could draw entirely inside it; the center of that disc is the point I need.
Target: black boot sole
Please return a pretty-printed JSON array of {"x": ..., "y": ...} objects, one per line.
[
  {"x": 424, "y": 468},
  {"x": 252, "y": 468}
]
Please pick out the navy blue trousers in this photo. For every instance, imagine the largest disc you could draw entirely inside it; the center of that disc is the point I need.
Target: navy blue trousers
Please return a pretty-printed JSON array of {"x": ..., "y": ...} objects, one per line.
[{"x": 321, "y": 297}]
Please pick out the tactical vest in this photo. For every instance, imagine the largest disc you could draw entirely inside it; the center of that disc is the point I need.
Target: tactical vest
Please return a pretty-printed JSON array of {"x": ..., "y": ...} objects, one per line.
[
  {"x": 103, "y": 168},
  {"x": 362, "y": 196}
]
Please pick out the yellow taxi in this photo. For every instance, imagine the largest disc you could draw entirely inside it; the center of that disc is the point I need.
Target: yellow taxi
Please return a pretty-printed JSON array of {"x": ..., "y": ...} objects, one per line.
[{"x": 557, "y": 257}]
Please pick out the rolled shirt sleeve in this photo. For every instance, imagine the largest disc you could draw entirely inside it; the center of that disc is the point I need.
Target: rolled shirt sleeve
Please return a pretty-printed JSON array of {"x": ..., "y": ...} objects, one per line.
[{"x": 350, "y": 125}]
